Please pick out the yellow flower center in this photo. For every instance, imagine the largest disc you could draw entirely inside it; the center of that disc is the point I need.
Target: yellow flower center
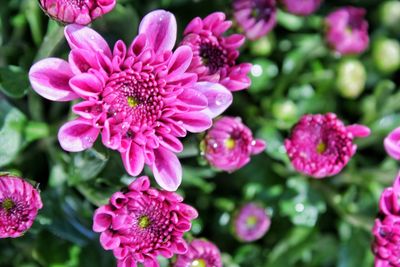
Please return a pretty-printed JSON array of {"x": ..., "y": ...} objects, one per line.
[
  {"x": 230, "y": 143},
  {"x": 7, "y": 204},
  {"x": 144, "y": 222},
  {"x": 132, "y": 102},
  {"x": 321, "y": 147},
  {"x": 198, "y": 263},
  {"x": 251, "y": 221}
]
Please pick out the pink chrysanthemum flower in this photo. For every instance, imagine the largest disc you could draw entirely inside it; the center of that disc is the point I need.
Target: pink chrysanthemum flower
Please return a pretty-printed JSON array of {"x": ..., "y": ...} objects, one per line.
[
  {"x": 19, "y": 205},
  {"x": 347, "y": 30},
  {"x": 201, "y": 253},
  {"x": 321, "y": 145},
  {"x": 141, "y": 98},
  {"x": 386, "y": 231},
  {"x": 214, "y": 55},
  {"x": 301, "y": 7},
  {"x": 81, "y": 12},
  {"x": 229, "y": 144},
  {"x": 392, "y": 144},
  {"x": 256, "y": 17},
  {"x": 251, "y": 223},
  {"x": 142, "y": 223}
]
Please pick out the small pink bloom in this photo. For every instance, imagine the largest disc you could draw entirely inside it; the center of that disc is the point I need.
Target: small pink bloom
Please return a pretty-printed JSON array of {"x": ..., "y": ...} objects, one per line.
[
  {"x": 321, "y": 145},
  {"x": 229, "y": 144},
  {"x": 19, "y": 205},
  {"x": 301, "y": 7},
  {"x": 386, "y": 231},
  {"x": 256, "y": 17},
  {"x": 215, "y": 55},
  {"x": 80, "y": 12},
  {"x": 392, "y": 144},
  {"x": 251, "y": 223},
  {"x": 142, "y": 223},
  {"x": 140, "y": 98},
  {"x": 347, "y": 30},
  {"x": 201, "y": 253}
]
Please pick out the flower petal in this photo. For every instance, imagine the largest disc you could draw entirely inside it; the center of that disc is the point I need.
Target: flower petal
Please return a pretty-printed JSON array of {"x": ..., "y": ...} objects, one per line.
[
  {"x": 194, "y": 122},
  {"x": 359, "y": 130},
  {"x": 86, "y": 85},
  {"x": 219, "y": 98},
  {"x": 258, "y": 146},
  {"x": 160, "y": 29},
  {"x": 180, "y": 60},
  {"x": 49, "y": 78},
  {"x": 77, "y": 135},
  {"x": 86, "y": 38},
  {"x": 133, "y": 159},
  {"x": 167, "y": 169}
]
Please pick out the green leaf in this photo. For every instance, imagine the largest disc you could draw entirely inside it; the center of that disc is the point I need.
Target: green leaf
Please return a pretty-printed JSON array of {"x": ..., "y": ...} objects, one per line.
[
  {"x": 12, "y": 123},
  {"x": 13, "y": 81}
]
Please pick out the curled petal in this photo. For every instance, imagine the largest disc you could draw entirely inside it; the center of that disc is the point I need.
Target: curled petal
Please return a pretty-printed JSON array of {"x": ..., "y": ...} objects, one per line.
[
  {"x": 180, "y": 60},
  {"x": 194, "y": 122},
  {"x": 49, "y": 78},
  {"x": 86, "y": 85},
  {"x": 160, "y": 27},
  {"x": 219, "y": 98},
  {"x": 102, "y": 218},
  {"x": 133, "y": 159},
  {"x": 167, "y": 169},
  {"x": 77, "y": 135}
]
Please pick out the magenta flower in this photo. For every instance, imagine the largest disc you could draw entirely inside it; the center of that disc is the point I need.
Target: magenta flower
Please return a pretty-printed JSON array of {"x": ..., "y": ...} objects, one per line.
[
  {"x": 321, "y": 145},
  {"x": 201, "y": 253},
  {"x": 256, "y": 17},
  {"x": 386, "y": 231},
  {"x": 142, "y": 223},
  {"x": 347, "y": 30},
  {"x": 19, "y": 205},
  {"x": 214, "y": 55},
  {"x": 251, "y": 223},
  {"x": 392, "y": 144},
  {"x": 141, "y": 98},
  {"x": 229, "y": 144},
  {"x": 301, "y": 7},
  {"x": 81, "y": 12}
]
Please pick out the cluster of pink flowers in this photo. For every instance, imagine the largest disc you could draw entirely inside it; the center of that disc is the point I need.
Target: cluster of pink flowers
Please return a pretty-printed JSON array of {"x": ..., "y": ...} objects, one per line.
[
  {"x": 19, "y": 205},
  {"x": 321, "y": 145},
  {"x": 386, "y": 231}
]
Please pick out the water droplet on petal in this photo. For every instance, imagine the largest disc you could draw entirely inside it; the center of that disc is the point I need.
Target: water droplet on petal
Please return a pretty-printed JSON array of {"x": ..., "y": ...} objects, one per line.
[
  {"x": 221, "y": 99},
  {"x": 87, "y": 142}
]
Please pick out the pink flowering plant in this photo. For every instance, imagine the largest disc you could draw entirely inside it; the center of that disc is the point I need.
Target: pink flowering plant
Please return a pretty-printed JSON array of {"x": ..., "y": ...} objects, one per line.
[{"x": 192, "y": 133}]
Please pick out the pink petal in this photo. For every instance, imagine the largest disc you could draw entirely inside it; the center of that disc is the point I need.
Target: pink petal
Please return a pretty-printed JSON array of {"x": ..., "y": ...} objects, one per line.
[
  {"x": 193, "y": 99},
  {"x": 219, "y": 98},
  {"x": 258, "y": 146},
  {"x": 359, "y": 130},
  {"x": 180, "y": 60},
  {"x": 77, "y": 135},
  {"x": 102, "y": 218},
  {"x": 194, "y": 122},
  {"x": 49, "y": 78},
  {"x": 194, "y": 26},
  {"x": 167, "y": 169},
  {"x": 133, "y": 159},
  {"x": 82, "y": 60},
  {"x": 391, "y": 144},
  {"x": 160, "y": 29},
  {"x": 86, "y": 38},
  {"x": 142, "y": 183},
  {"x": 108, "y": 241},
  {"x": 86, "y": 85}
]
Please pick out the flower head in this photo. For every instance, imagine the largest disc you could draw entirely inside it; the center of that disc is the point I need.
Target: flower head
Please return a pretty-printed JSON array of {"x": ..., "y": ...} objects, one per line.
[
  {"x": 301, "y": 7},
  {"x": 386, "y": 231},
  {"x": 321, "y": 145},
  {"x": 347, "y": 30},
  {"x": 229, "y": 144},
  {"x": 392, "y": 144},
  {"x": 140, "y": 98},
  {"x": 215, "y": 55},
  {"x": 19, "y": 205},
  {"x": 201, "y": 253},
  {"x": 251, "y": 223},
  {"x": 142, "y": 223},
  {"x": 81, "y": 12},
  {"x": 256, "y": 17}
]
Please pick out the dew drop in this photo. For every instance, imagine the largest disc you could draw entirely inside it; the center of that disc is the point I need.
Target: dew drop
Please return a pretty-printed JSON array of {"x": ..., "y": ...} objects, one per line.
[
  {"x": 221, "y": 99},
  {"x": 87, "y": 142}
]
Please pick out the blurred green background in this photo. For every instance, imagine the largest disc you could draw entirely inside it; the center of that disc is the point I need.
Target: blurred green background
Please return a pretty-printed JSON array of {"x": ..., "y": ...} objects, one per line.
[{"x": 314, "y": 222}]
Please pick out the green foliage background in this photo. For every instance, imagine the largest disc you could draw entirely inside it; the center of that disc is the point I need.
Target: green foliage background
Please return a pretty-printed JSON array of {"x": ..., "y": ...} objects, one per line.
[{"x": 314, "y": 222}]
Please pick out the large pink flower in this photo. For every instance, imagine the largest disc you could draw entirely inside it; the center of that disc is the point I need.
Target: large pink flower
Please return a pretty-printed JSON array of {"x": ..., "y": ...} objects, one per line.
[
  {"x": 19, "y": 205},
  {"x": 386, "y": 231},
  {"x": 301, "y": 7},
  {"x": 347, "y": 30},
  {"x": 215, "y": 55},
  {"x": 321, "y": 145},
  {"x": 76, "y": 11},
  {"x": 142, "y": 223},
  {"x": 229, "y": 144},
  {"x": 256, "y": 17},
  {"x": 201, "y": 253},
  {"x": 141, "y": 98}
]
